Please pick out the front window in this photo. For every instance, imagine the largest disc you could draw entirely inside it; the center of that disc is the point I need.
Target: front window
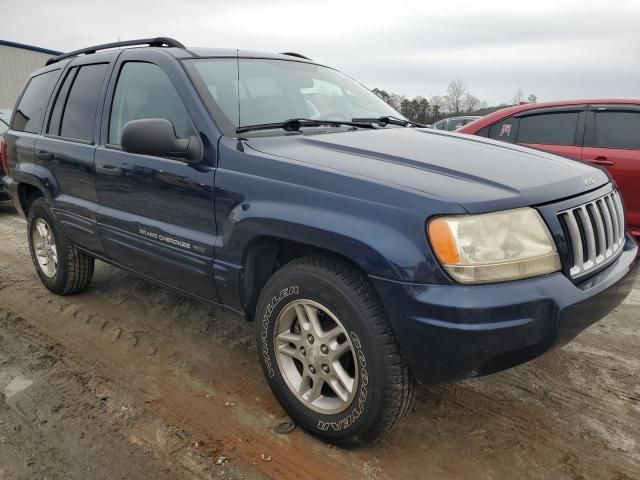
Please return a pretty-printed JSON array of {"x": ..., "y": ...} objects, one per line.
[{"x": 258, "y": 91}]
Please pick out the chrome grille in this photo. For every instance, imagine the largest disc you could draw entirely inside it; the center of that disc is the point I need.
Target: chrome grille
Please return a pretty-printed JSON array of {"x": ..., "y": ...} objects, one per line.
[{"x": 596, "y": 232}]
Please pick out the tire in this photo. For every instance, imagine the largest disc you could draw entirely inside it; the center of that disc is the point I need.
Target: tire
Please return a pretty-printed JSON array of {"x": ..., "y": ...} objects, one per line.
[
  {"x": 73, "y": 270},
  {"x": 382, "y": 387}
]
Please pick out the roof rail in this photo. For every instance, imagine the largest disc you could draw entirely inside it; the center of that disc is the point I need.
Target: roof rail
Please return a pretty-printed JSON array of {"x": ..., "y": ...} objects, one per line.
[
  {"x": 294, "y": 54},
  {"x": 152, "y": 42}
]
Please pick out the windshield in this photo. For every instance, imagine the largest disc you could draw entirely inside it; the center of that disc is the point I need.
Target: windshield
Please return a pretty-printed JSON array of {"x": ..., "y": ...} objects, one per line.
[{"x": 257, "y": 91}]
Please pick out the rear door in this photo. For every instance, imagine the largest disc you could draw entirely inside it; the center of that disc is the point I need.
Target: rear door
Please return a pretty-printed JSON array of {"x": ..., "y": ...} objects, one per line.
[
  {"x": 612, "y": 141},
  {"x": 68, "y": 146},
  {"x": 156, "y": 214}
]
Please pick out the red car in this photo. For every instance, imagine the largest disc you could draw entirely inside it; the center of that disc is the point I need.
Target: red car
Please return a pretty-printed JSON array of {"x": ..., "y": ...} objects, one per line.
[{"x": 603, "y": 132}]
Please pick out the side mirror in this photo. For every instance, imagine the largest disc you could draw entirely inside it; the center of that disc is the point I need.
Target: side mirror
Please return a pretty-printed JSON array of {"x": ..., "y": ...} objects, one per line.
[{"x": 157, "y": 137}]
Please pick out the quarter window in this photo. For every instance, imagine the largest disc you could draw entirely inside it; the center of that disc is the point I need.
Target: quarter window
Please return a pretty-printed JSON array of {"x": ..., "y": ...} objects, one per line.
[
  {"x": 30, "y": 111},
  {"x": 618, "y": 130},
  {"x": 58, "y": 106},
  {"x": 145, "y": 91},
  {"x": 505, "y": 130},
  {"x": 549, "y": 129}
]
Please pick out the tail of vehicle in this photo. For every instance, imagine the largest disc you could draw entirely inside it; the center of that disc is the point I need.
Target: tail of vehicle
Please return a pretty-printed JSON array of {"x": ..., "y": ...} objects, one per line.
[{"x": 4, "y": 164}]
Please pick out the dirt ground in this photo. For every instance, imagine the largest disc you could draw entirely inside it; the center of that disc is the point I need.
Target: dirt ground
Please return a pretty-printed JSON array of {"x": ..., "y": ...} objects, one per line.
[{"x": 129, "y": 380}]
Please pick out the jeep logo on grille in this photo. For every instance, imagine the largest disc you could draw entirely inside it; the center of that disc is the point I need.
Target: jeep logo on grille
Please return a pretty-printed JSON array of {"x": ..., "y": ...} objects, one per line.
[{"x": 588, "y": 181}]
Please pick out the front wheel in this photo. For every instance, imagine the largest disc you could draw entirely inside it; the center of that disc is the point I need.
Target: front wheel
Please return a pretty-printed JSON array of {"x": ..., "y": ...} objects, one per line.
[{"x": 329, "y": 353}]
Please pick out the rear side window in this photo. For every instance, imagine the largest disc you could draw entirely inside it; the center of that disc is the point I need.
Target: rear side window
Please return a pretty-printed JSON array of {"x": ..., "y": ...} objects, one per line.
[
  {"x": 74, "y": 112},
  {"x": 145, "y": 91},
  {"x": 549, "y": 129},
  {"x": 618, "y": 130},
  {"x": 56, "y": 114},
  {"x": 30, "y": 112},
  {"x": 505, "y": 130}
]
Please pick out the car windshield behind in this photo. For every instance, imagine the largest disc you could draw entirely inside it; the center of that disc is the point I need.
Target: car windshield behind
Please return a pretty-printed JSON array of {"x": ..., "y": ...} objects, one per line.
[{"x": 259, "y": 91}]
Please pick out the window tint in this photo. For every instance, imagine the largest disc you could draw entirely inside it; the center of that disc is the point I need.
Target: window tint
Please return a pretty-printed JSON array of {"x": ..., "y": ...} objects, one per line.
[
  {"x": 505, "y": 130},
  {"x": 145, "y": 91},
  {"x": 618, "y": 130},
  {"x": 550, "y": 129},
  {"x": 3, "y": 127},
  {"x": 78, "y": 118},
  {"x": 58, "y": 106},
  {"x": 30, "y": 111}
]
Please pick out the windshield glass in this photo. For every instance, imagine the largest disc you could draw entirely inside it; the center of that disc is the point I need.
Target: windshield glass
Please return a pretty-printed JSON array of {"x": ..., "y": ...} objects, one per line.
[{"x": 257, "y": 91}]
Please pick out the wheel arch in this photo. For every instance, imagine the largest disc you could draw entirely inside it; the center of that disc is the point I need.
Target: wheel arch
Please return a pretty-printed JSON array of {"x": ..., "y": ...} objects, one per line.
[
  {"x": 266, "y": 254},
  {"x": 33, "y": 181},
  {"x": 261, "y": 245}
]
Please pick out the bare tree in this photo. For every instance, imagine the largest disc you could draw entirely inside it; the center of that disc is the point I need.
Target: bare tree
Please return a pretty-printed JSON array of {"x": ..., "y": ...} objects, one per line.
[
  {"x": 454, "y": 99},
  {"x": 518, "y": 96},
  {"x": 470, "y": 102},
  {"x": 437, "y": 106},
  {"x": 396, "y": 100}
]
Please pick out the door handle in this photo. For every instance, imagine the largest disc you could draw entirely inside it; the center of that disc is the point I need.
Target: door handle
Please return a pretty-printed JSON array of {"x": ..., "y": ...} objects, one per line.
[
  {"x": 42, "y": 155},
  {"x": 109, "y": 170},
  {"x": 601, "y": 161}
]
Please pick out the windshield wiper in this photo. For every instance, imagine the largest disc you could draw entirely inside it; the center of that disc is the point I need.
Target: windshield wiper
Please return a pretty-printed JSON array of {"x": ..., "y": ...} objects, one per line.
[
  {"x": 389, "y": 120},
  {"x": 295, "y": 124}
]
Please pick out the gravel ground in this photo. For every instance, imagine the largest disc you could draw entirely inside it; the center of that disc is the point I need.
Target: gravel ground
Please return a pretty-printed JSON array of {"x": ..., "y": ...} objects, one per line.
[{"x": 129, "y": 380}]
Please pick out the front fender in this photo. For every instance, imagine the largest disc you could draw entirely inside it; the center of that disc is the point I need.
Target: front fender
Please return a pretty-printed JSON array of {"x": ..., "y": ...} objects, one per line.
[{"x": 376, "y": 246}]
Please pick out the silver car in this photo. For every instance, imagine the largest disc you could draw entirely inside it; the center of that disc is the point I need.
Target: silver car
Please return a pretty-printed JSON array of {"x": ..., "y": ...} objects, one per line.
[{"x": 453, "y": 123}]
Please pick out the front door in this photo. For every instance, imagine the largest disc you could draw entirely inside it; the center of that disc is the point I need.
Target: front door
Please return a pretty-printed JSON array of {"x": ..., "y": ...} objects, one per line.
[
  {"x": 156, "y": 215},
  {"x": 555, "y": 130}
]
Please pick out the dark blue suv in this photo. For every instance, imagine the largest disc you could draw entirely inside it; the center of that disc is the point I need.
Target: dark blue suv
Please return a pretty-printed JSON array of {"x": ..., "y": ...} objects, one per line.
[{"x": 369, "y": 251}]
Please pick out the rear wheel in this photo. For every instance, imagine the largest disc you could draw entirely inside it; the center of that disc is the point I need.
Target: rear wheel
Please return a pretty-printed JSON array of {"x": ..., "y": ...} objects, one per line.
[
  {"x": 62, "y": 268},
  {"x": 329, "y": 353}
]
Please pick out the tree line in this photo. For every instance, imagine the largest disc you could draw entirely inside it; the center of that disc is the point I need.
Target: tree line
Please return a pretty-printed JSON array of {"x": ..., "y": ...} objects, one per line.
[{"x": 457, "y": 101}]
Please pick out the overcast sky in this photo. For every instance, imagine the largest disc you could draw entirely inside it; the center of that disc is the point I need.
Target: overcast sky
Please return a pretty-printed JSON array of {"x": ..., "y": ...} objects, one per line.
[{"x": 555, "y": 49}]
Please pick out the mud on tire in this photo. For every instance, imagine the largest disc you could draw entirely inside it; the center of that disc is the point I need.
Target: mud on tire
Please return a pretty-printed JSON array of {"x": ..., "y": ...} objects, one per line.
[
  {"x": 74, "y": 269},
  {"x": 384, "y": 387}
]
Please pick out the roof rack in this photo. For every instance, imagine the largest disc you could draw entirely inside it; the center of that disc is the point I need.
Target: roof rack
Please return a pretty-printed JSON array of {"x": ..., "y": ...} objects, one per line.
[
  {"x": 294, "y": 54},
  {"x": 152, "y": 42}
]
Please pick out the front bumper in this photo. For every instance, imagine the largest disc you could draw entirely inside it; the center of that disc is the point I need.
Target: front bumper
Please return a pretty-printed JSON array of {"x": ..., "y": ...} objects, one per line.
[{"x": 451, "y": 332}]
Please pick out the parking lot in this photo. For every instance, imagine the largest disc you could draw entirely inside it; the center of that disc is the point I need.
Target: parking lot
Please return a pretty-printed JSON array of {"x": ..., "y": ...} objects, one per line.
[{"x": 145, "y": 383}]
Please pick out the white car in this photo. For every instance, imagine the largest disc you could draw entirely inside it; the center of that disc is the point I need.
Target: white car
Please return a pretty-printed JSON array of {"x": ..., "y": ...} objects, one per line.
[{"x": 453, "y": 123}]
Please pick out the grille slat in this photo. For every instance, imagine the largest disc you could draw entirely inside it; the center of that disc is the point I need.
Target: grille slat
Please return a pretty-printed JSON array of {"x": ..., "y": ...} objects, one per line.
[
  {"x": 596, "y": 232},
  {"x": 589, "y": 238},
  {"x": 604, "y": 211},
  {"x": 600, "y": 232}
]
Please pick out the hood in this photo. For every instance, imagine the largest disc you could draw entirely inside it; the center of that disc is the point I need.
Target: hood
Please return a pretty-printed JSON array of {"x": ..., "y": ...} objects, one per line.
[{"x": 480, "y": 174}]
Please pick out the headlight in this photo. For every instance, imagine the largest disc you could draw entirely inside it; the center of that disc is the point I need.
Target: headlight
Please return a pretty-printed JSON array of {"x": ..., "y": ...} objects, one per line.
[{"x": 494, "y": 247}]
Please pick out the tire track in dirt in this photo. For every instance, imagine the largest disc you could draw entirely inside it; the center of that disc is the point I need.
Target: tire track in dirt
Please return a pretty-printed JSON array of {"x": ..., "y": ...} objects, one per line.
[{"x": 220, "y": 428}]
